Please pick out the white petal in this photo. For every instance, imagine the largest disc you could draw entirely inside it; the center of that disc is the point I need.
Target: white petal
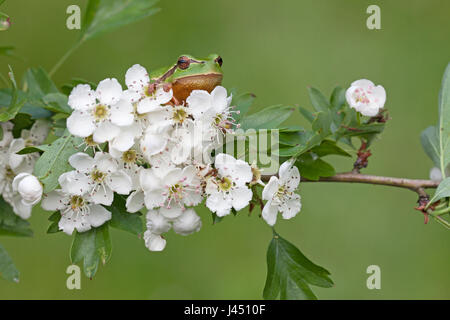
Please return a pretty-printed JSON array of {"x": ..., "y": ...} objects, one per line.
[
  {"x": 148, "y": 104},
  {"x": 154, "y": 242},
  {"x": 269, "y": 213},
  {"x": 98, "y": 215},
  {"x": 154, "y": 198},
  {"x": 105, "y": 162},
  {"x": 163, "y": 96},
  {"x": 109, "y": 91},
  {"x": 53, "y": 201},
  {"x": 123, "y": 141},
  {"x": 39, "y": 131},
  {"x": 157, "y": 223},
  {"x": 137, "y": 78},
  {"x": 363, "y": 83},
  {"x": 73, "y": 183},
  {"x": 199, "y": 102},
  {"x": 81, "y": 97},
  {"x": 152, "y": 144},
  {"x": 290, "y": 208},
  {"x": 241, "y": 197},
  {"x": 216, "y": 202},
  {"x": 81, "y": 161},
  {"x": 120, "y": 182},
  {"x": 106, "y": 131},
  {"x": 171, "y": 212},
  {"x": 219, "y": 99},
  {"x": 103, "y": 195},
  {"x": 270, "y": 188},
  {"x": 135, "y": 201},
  {"x": 122, "y": 113},
  {"x": 149, "y": 180},
  {"x": 80, "y": 124},
  {"x": 290, "y": 178},
  {"x": 189, "y": 222}
]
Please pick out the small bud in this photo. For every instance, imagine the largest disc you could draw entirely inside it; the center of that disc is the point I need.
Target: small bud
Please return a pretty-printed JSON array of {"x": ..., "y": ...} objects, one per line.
[
  {"x": 5, "y": 22},
  {"x": 29, "y": 188}
]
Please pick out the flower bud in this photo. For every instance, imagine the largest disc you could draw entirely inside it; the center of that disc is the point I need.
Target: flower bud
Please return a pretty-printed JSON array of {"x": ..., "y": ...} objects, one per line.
[
  {"x": 435, "y": 174},
  {"x": 154, "y": 242},
  {"x": 189, "y": 222},
  {"x": 29, "y": 188}
]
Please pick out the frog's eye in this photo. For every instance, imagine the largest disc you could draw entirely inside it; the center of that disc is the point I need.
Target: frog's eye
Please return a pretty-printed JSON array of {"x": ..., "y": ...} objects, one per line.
[
  {"x": 219, "y": 60},
  {"x": 183, "y": 62}
]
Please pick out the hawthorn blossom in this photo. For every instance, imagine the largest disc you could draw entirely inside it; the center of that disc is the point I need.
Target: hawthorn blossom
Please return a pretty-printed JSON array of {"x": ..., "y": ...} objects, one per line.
[
  {"x": 152, "y": 97},
  {"x": 365, "y": 97},
  {"x": 99, "y": 176},
  {"x": 228, "y": 188},
  {"x": 171, "y": 189},
  {"x": 99, "y": 113},
  {"x": 77, "y": 211},
  {"x": 213, "y": 109},
  {"x": 280, "y": 196},
  {"x": 7, "y": 134}
]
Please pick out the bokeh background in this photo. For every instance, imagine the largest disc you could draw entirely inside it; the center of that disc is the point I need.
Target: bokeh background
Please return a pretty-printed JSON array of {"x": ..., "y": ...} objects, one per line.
[{"x": 274, "y": 49}]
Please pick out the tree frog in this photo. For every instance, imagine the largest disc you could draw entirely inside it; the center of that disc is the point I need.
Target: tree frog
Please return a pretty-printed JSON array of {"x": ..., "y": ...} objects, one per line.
[{"x": 189, "y": 74}]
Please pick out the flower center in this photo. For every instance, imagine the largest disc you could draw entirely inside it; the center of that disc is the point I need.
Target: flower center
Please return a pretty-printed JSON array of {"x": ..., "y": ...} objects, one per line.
[
  {"x": 98, "y": 176},
  {"x": 179, "y": 114},
  {"x": 225, "y": 184},
  {"x": 129, "y": 156},
  {"x": 100, "y": 112},
  {"x": 9, "y": 173},
  {"x": 76, "y": 202},
  {"x": 360, "y": 96},
  {"x": 176, "y": 190},
  {"x": 89, "y": 141}
]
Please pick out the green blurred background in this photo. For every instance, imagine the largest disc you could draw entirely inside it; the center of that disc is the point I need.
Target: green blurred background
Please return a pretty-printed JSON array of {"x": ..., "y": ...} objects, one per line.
[{"x": 274, "y": 49}]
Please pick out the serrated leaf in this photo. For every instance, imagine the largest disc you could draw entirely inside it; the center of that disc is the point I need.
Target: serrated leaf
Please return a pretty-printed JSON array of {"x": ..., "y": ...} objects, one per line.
[
  {"x": 430, "y": 143},
  {"x": 38, "y": 83},
  {"x": 91, "y": 248},
  {"x": 56, "y": 102},
  {"x": 307, "y": 114},
  {"x": 54, "y": 161},
  {"x": 268, "y": 118},
  {"x": 322, "y": 123},
  {"x": 289, "y": 272},
  {"x": 328, "y": 147},
  {"x": 16, "y": 102},
  {"x": 103, "y": 16},
  {"x": 11, "y": 224},
  {"x": 123, "y": 220},
  {"x": 313, "y": 168},
  {"x": 442, "y": 191},
  {"x": 444, "y": 121},
  {"x": 8, "y": 270},
  {"x": 242, "y": 103},
  {"x": 34, "y": 110},
  {"x": 318, "y": 100},
  {"x": 337, "y": 99}
]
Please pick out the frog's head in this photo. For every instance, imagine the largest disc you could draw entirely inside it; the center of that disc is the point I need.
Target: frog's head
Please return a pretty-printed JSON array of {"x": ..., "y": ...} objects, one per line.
[{"x": 190, "y": 73}]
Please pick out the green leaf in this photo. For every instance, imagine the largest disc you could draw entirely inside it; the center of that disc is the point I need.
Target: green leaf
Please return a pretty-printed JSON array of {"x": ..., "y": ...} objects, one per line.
[
  {"x": 430, "y": 143},
  {"x": 313, "y": 168},
  {"x": 38, "y": 83},
  {"x": 123, "y": 220},
  {"x": 16, "y": 103},
  {"x": 91, "y": 248},
  {"x": 337, "y": 99},
  {"x": 328, "y": 147},
  {"x": 56, "y": 102},
  {"x": 322, "y": 124},
  {"x": 53, "y": 228},
  {"x": 307, "y": 114},
  {"x": 34, "y": 110},
  {"x": 243, "y": 103},
  {"x": 442, "y": 191},
  {"x": 21, "y": 121},
  {"x": 11, "y": 224},
  {"x": 103, "y": 16},
  {"x": 33, "y": 149},
  {"x": 216, "y": 218},
  {"x": 268, "y": 118},
  {"x": 444, "y": 121},
  {"x": 54, "y": 161},
  {"x": 8, "y": 270},
  {"x": 289, "y": 272},
  {"x": 68, "y": 87},
  {"x": 318, "y": 100}
]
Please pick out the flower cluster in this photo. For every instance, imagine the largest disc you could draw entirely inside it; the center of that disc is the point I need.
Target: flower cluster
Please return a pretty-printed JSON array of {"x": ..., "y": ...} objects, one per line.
[
  {"x": 145, "y": 145},
  {"x": 18, "y": 186}
]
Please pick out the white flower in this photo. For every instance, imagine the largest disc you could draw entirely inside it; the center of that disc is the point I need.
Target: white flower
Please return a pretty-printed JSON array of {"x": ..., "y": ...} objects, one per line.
[
  {"x": 99, "y": 176},
  {"x": 29, "y": 188},
  {"x": 189, "y": 222},
  {"x": 228, "y": 189},
  {"x": 280, "y": 196},
  {"x": 152, "y": 96},
  {"x": 365, "y": 97},
  {"x": 99, "y": 113},
  {"x": 77, "y": 212},
  {"x": 171, "y": 190},
  {"x": 154, "y": 242},
  {"x": 213, "y": 109}
]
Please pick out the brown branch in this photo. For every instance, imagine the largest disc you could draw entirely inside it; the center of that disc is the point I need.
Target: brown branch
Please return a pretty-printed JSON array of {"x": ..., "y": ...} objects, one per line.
[{"x": 415, "y": 185}]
